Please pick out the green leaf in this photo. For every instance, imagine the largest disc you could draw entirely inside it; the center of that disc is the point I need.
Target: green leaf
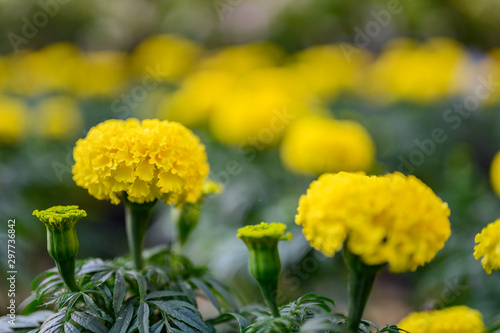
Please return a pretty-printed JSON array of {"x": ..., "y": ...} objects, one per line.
[
  {"x": 183, "y": 314},
  {"x": 119, "y": 291},
  {"x": 141, "y": 283},
  {"x": 91, "y": 323},
  {"x": 223, "y": 291},
  {"x": 143, "y": 317},
  {"x": 206, "y": 291},
  {"x": 92, "y": 267},
  {"x": 123, "y": 320},
  {"x": 242, "y": 321},
  {"x": 70, "y": 328},
  {"x": 53, "y": 323},
  {"x": 157, "y": 327},
  {"x": 44, "y": 275},
  {"x": 163, "y": 294},
  {"x": 95, "y": 309}
]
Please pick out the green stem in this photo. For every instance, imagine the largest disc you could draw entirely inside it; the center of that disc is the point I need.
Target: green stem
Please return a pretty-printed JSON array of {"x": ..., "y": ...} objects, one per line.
[
  {"x": 269, "y": 290},
  {"x": 361, "y": 279},
  {"x": 360, "y": 287},
  {"x": 136, "y": 222},
  {"x": 67, "y": 271}
]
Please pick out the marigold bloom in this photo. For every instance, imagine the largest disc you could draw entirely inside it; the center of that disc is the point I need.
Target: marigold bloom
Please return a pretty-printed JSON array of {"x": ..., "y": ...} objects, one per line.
[
  {"x": 14, "y": 122},
  {"x": 495, "y": 173},
  {"x": 165, "y": 57},
  {"x": 59, "y": 118},
  {"x": 196, "y": 98},
  {"x": 327, "y": 70},
  {"x": 418, "y": 72},
  {"x": 241, "y": 59},
  {"x": 255, "y": 117},
  {"x": 455, "y": 319},
  {"x": 488, "y": 247},
  {"x": 391, "y": 219},
  {"x": 49, "y": 69},
  {"x": 149, "y": 160},
  {"x": 101, "y": 73},
  {"x": 315, "y": 145}
]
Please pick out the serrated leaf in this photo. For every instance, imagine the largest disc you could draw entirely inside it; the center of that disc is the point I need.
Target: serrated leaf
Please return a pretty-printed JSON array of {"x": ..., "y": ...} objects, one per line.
[
  {"x": 123, "y": 320},
  {"x": 70, "y": 328},
  {"x": 91, "y": 323},
  {"x": 93, "y": 267},
  {"x": 95, "y": 309},
  {"x": 222, "y": 290},
  {"x": 143, "y": 317},
  {"x": 141, "y": 283},
  {"x": 163, "y": 294},
  {"x": 157, "y": 327},
  {"x": 119, "y": 291},
  {"x": 209, "y": 295},
  {"x": 183, "y": 314},
  {"x": 53, "y": 322},
  {"x": 39, "y": 277},
  {"x": 242, "y": 321}
]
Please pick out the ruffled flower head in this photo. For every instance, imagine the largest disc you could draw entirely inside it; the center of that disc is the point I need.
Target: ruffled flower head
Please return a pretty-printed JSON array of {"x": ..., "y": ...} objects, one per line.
[
  {"x": 315, "y": 145},
  {"x": 147, "y": 160},
  {"x": 58, "y": 216},
  {"x": 488, "y": 247},
  {"x": 390, "y": 219},
  {"x": 455, "y": 319}
]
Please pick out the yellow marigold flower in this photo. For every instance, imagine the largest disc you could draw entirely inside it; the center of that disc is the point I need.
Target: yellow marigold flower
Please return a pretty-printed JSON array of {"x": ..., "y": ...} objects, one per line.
[
  {"x": 488, "y": 247},
  {"x": 418, "y": 72},
  {"x": 47, "y": 70},
  {"x": 495, "y": 173},
  {"x": 14, "y": 122},
  {"x": 326, "y": 70},
  {"x": 242, "y": 59},
  {"x": 166, "y": 57},
  {"x": 315, "y": 145},
  {"x": 59, "y": 118},
  {"x": 255, "y": 117},
  {"x": 100, "y": 73},
  {"x": 455, "y": 319},
  {"x": 393, "y": 219},
  {"x": 198, "y": 95},
  {"x": 149, "y": 160}
]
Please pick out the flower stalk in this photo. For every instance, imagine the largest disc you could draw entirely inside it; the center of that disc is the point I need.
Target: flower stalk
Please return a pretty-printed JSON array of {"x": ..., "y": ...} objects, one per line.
[
  {"x": 137, "y": 218},
  {"x": 62, "y": 241},
  {"x": 264, "y": 261},
  {"x": 361, "y": 279}
]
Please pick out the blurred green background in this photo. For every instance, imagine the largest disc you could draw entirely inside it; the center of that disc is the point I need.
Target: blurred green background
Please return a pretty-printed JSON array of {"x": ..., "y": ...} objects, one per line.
[{"x": 36, "y": 160}]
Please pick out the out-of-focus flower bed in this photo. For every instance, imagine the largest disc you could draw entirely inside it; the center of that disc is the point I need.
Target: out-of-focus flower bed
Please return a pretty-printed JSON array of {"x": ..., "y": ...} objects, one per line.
[{"x": 271, "y": 121}]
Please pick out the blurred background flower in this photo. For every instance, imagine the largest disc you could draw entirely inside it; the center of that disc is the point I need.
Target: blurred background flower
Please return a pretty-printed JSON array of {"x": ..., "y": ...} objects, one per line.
[{"x": 417, "y": 82}]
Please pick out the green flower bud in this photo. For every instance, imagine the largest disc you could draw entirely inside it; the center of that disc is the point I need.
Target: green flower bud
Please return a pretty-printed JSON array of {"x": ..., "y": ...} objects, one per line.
[
  {"x": 62, "y": 242},
  {"x": 264, "y": 262},
  {"x": 188, "y": 215}
]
